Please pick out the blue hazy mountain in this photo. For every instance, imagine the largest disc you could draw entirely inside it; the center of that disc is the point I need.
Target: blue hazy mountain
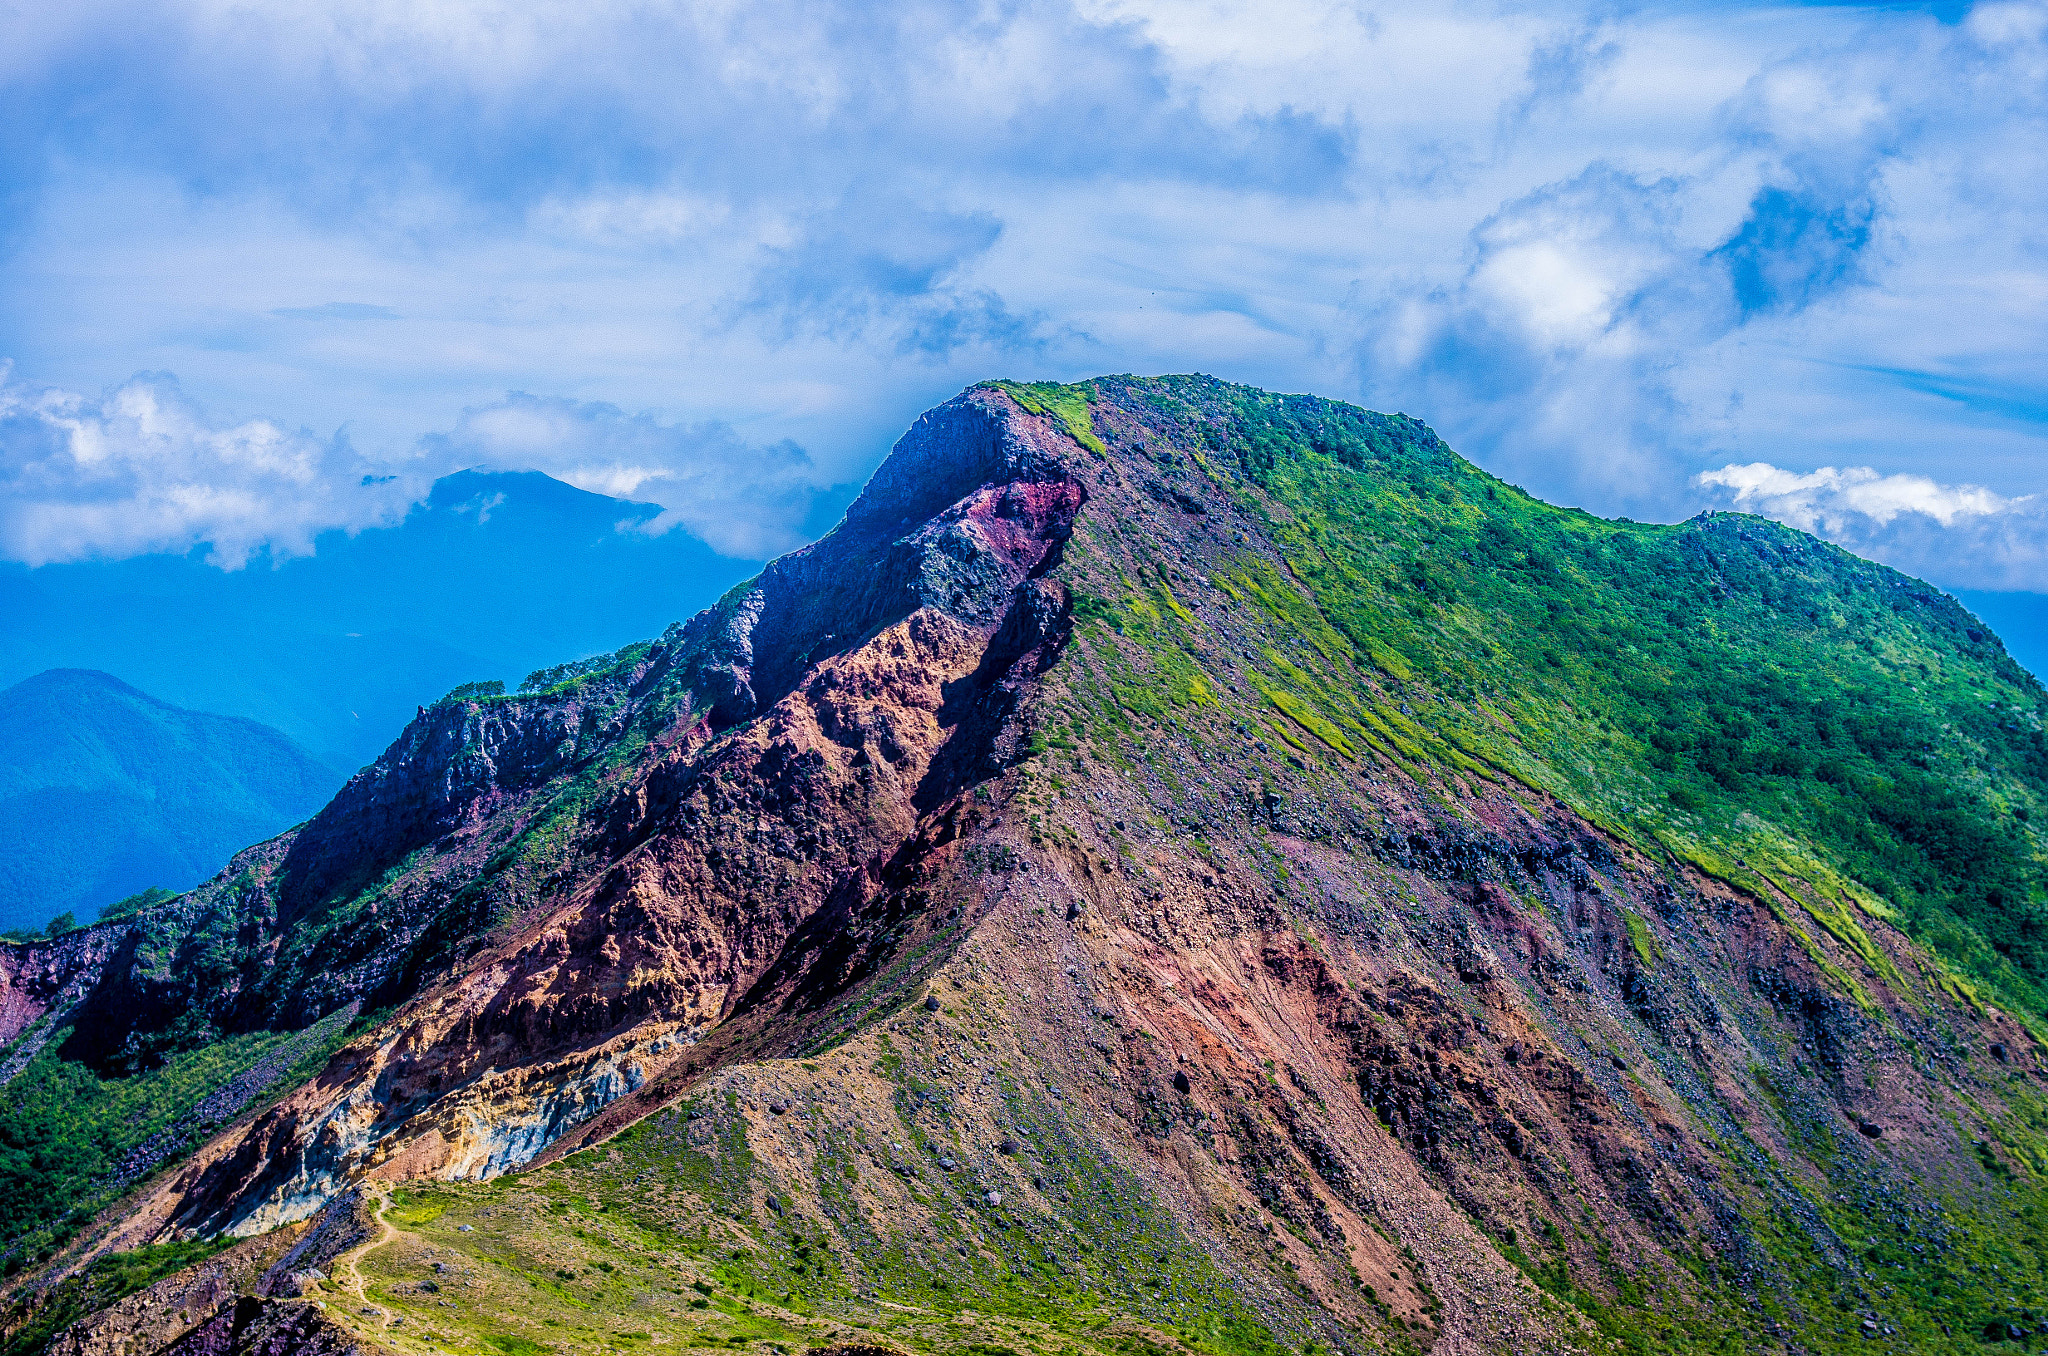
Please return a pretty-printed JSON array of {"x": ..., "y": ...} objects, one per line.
[
  {"x": 494, "y": 575},
  {"x": 105, "y": 791}
]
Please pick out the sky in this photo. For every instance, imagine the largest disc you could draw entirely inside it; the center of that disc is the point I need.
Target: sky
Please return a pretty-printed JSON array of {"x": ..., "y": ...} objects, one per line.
[{"x": 267, "y": 271}]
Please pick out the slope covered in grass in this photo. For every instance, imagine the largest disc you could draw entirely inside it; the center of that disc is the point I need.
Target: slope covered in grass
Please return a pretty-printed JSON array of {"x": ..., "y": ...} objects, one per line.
[
  {"x": 1756, "y": 700},
  {"x": 73, "y": 1139}
]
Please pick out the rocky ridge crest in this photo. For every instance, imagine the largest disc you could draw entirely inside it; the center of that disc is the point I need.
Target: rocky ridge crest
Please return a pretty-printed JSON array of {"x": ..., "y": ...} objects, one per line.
[{"x": 982, "y": 825}]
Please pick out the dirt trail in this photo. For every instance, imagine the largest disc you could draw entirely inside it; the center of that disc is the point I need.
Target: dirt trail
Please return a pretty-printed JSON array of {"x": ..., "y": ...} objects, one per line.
[{"x": 348, "y": 1260}]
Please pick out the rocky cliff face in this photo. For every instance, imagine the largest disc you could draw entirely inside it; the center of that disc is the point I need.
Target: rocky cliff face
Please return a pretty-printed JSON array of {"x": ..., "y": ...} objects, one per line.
[
  {"x": 988, "y": 910},
  {"x": 47, "y": 979},
  {"x": 783, "y": 748}
]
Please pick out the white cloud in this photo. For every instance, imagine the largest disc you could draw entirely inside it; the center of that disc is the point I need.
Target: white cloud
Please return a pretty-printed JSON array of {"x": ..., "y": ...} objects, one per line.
[
  {"x": 1964, "y": 536},
  {"x": 1829, "y": 500},
  {"x": 1600, "y": 248},
  {"x": 142, "y": 469}
]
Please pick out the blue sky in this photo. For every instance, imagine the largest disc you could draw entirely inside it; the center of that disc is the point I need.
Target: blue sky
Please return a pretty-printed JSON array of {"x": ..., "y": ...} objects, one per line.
[{"x": 269, "y": 270}]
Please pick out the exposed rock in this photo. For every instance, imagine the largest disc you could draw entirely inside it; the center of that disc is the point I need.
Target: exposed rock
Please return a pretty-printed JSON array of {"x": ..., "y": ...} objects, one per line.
[{"x": 1408, "y": 1011}]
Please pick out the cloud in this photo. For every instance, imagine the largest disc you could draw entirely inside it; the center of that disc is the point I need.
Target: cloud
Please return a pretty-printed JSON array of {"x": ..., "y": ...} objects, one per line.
[
  {"x": 143, "y": 469},
  {"x": 1830, "y": 501},
  {"x": 1964, "y": 536},
  {"x": 747, "y": 501},
  {"x": 1551, "y": 350},
  {"x": 1663, "y": 306},
  {"x": 1601, "y": 248}
]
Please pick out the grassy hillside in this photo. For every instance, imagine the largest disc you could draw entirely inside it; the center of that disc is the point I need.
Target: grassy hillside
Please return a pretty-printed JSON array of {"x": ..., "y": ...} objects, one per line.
[
  {"x": 1751, "y": 698},
  {"x": 72, "y": 1140},
  {"x": 105, "y": 791},
  {"x": 660, "y": 1237}
]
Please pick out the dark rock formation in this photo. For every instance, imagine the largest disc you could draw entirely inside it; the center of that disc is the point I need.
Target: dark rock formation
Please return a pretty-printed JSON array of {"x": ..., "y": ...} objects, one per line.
[{"x": 1043, "y": 802}]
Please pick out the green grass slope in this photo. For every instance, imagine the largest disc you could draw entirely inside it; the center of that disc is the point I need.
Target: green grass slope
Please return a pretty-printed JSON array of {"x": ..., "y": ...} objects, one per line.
[
  {"x": 1741, "y": 694},
  {"x": 1842, "y": 742},
  {"x": 105, "y": 791}
]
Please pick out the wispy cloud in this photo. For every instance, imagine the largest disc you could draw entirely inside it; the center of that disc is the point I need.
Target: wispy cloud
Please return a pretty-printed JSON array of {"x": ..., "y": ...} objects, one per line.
[
  {"x": 1964, "y": 536},
  {"x": 1603, "y": 249},
  {"x": 143, "y": 469}
]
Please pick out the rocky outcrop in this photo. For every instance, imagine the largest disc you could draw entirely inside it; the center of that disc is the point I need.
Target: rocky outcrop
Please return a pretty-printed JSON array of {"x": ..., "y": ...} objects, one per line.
[
  {"x": 185, "y": 1303},
  {"x": 247, "y": 1326},
  {"x": 42, "y": 982},
  {"x": 450, "y": 770},
  {"x": 800, "y": 731},
  {"x": 917, "y": 839}
]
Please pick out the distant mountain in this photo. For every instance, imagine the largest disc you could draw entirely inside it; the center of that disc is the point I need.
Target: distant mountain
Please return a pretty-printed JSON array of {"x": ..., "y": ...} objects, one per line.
[
  {"x": 1177, "y": 871},
  {"x": 105, "y": 791},
  {"x": 494, "y": 575}
]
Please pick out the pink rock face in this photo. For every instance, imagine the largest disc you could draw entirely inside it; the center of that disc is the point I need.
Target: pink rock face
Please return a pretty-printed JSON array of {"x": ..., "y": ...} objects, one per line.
[
  {"x": 18, "y": 1009},
  {"x": 888, "y": 828},
  {"x": 37, "y": 976},
  {"x": 1023, "y": 519}
]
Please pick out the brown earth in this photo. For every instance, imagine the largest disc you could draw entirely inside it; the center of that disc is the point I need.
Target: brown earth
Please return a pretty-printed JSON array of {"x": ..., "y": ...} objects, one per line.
[{"x": 1370, "y": 1031}]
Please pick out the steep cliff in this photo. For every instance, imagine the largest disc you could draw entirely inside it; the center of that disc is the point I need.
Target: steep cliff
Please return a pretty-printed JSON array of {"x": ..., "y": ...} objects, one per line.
[{"x": 1176, "y": 869}]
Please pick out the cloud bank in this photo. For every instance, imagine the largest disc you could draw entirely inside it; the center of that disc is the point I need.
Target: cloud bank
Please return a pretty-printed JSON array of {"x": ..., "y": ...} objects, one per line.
[
  {"x": 1603, "y": 250},
  {"x": 144, "y": 469}
]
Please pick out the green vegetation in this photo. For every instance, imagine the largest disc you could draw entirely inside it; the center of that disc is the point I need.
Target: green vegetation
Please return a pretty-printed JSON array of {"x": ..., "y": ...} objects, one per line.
[
  {"x": 71, "y": 1140},
  {"x": 1765, "y": 705},
  {"x": 1930, "y": 1274},
  {"x": 1641, "y": 939},
  {"x": 107, "y": 1280},
  {"x": 133, "y": 904},
  {"x": 68, "y": 922},
  {"x": 105, "y": 791},
  {"x": 1068, "y": 404},
  {"x": 679, "y": 1229}
]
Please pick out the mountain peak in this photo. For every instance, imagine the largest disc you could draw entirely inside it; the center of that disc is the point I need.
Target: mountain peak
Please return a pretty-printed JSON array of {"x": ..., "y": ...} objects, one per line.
[
  {"x": 1180, "y": 868},
  {"x": 93, "y": 681}
]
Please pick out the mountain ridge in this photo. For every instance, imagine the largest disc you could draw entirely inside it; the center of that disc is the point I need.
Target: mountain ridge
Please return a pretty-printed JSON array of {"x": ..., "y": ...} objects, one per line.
[
  {"x": 1178, "y": 869},
  {"x": 86, "y": 758},
  {"x": 491, "y": 575}
]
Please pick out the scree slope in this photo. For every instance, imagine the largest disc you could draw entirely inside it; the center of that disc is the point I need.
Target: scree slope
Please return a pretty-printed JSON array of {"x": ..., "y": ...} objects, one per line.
[{"x": 1179, "y": 869}]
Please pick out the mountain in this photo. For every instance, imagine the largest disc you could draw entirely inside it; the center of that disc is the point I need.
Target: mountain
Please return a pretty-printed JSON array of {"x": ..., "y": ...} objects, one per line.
[
  {"x": 105, "y": 791},
  {"x": 1178, "y": 869},
  {"x": 493, "y": 575}
]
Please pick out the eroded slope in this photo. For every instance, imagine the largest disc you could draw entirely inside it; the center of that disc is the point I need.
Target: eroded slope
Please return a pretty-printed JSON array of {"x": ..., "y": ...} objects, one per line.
[{"x": 1059, "y": 898}]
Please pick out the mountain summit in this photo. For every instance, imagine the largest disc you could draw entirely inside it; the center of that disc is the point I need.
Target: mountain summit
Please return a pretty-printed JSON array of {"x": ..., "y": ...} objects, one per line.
[{"x": 1177, "y": 869}]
